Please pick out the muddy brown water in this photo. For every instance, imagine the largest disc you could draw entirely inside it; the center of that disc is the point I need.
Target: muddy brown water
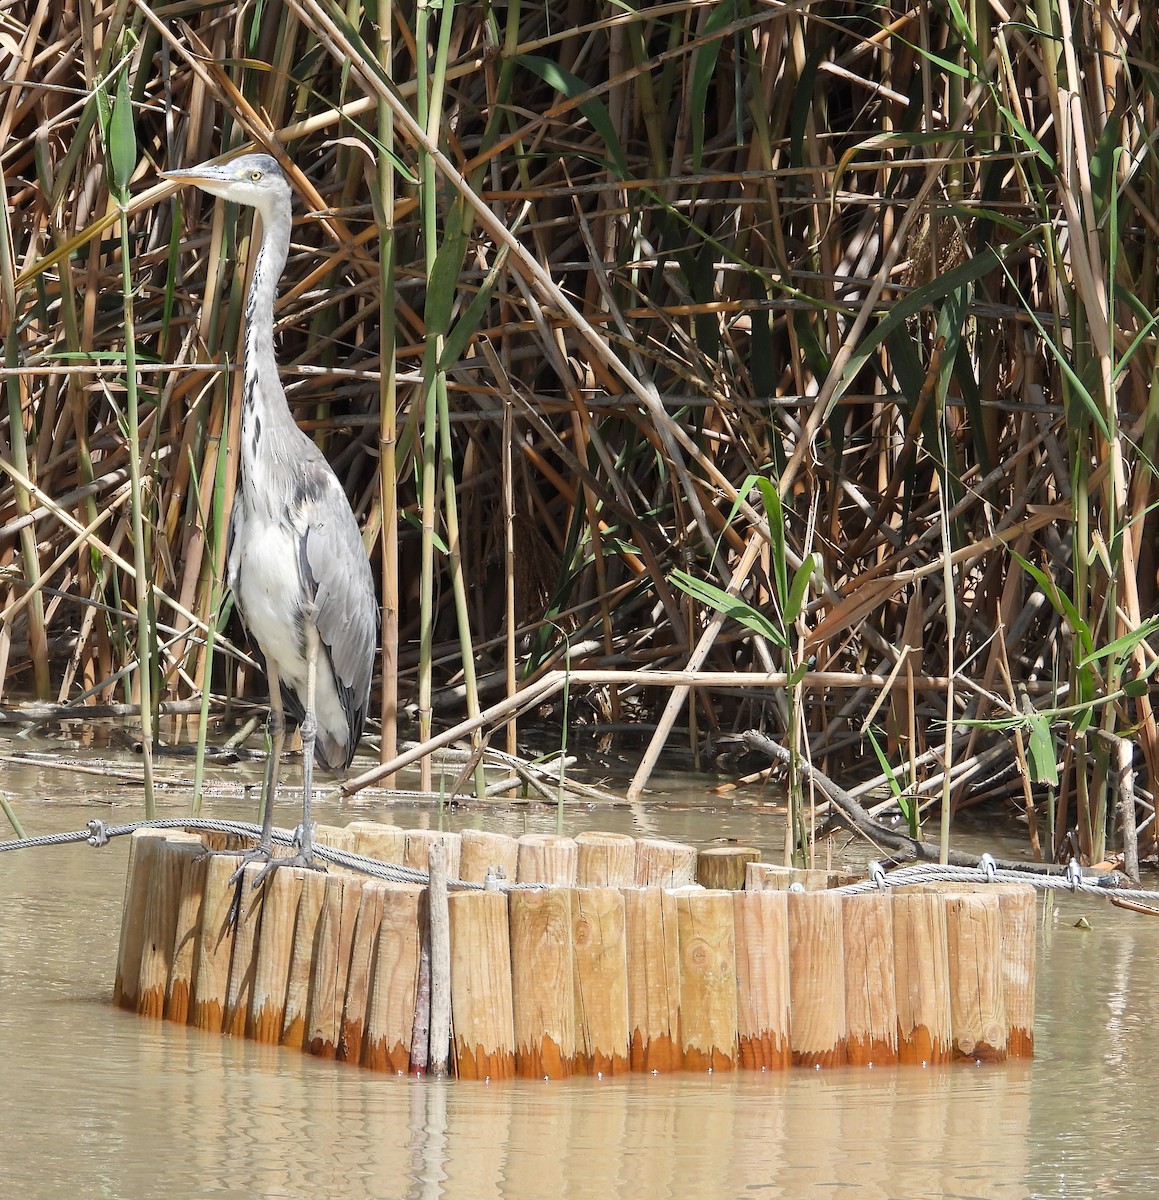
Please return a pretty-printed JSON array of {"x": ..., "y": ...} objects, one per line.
[{"x": 97, "y": 1103}]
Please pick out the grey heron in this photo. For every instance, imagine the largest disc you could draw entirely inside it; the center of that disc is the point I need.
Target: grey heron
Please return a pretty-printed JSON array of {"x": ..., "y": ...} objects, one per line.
[{"x": 296, "y": 564}]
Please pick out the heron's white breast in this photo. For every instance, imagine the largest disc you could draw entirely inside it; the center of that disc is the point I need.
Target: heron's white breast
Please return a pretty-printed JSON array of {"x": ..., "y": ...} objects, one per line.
[{"x": 268, "y": 589}]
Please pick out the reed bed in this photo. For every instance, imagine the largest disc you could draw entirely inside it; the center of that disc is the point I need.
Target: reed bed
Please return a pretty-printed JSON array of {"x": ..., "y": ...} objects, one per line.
[{"x": 813, "y": 340}]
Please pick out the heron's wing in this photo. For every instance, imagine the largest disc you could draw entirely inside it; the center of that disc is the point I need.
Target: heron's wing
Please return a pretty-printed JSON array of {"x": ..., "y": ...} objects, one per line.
[{"x": 334, "y": 564}]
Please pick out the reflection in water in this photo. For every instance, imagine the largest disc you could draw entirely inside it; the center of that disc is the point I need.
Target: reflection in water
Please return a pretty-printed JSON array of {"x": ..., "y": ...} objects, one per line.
[{"x": 97, "y": 1103}]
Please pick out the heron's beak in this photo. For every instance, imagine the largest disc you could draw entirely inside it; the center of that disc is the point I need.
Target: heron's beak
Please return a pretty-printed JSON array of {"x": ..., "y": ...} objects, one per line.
[{"x": 192, "y": 175}]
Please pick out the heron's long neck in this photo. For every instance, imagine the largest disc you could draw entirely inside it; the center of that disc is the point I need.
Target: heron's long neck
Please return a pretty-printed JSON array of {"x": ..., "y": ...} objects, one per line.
[{"x": 263, "y": 400}]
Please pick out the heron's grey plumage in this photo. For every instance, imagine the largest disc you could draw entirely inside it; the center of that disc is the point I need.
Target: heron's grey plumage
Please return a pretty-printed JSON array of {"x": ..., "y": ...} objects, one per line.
[{"x": 296, "y": 562}]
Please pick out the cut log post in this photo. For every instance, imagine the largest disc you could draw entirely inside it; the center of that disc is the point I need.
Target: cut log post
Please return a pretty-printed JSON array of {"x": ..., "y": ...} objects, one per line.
[
  {"x": 144, "y": 845},
  {"x": 761, "y": 876},
  {"x": 542, "y": 983},
  {"x": 283, "y": 889},
  {"x": 162, "y": 904},
  {"x": 244, "y": 960},
  {"x": 660, "y": 863},
  {"x": 359, "y": 979},
  {"x": 922, "y": 978},
  {"x": 420, "y": 1037},
  {"x": 483, "y": 852},
  {"x": 440, "y": 960},
  {"x": 331, "y": 964},
  {"x": 212, "y": 986},
  {"x": 387, "y": 843},
  {"x": 390, "y": 1017},
  {"x": 725, "y": 866},
  {"x": 418, "y": 843},
  {"x": 817, "y": 979},
  {"x": 870, "y": 994},
  {"x": 708, "y": 1002},
  {"x": 977, "y": 1008},
  {"x": 605, "y": 859},
  {"x": 653, "y": 980},
  {"x": 1018, "y": 905},
  {"x": 547, "y": 858},
  {"x": 762, "y": 964},
  {"x": 337, "y": 837},
  {"x": 481, "y": 1000},
  {"x": 601, "y": 980},
  {"x": 187, "y": 939},
  {"x": 305, "y": 949}
]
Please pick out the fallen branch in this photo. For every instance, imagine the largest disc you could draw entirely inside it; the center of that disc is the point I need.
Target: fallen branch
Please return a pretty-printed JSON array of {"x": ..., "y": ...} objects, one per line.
[{"x": 906, "y": 848}]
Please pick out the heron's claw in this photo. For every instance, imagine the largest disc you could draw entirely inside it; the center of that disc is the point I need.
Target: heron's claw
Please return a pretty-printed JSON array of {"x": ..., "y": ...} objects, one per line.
[
  {"x": 294, "y": 860},
  {"x": 259, "y": 853}
]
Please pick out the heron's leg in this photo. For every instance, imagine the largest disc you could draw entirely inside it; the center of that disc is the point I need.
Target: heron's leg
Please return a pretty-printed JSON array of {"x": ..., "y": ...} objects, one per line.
[
  {"x": 275, "y": 741},
  {"x": 277, "y": 728},
  {"x": 309, "y": 731},
  {"x": 304, "y": 856}
]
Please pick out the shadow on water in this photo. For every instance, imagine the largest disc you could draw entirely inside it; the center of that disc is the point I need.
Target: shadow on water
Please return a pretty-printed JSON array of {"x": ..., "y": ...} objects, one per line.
[{"x": 98, "y": 1103}]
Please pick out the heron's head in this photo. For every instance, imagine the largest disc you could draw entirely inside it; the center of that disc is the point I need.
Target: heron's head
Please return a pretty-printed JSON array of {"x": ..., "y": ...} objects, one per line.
[{"x": 254, "y": 179}]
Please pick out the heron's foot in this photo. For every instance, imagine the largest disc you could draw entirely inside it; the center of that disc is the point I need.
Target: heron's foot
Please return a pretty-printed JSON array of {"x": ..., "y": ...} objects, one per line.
[
  {"x": 294, "y": 860},
  {"x": 260, "y": 853}
]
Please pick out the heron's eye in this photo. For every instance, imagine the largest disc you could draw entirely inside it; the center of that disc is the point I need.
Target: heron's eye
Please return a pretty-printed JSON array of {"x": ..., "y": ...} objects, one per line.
[{"x": 255, "y": 175}]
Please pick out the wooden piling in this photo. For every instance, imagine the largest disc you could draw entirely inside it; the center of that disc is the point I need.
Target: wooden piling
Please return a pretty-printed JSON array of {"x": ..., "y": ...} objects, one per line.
[
  {"x": 337, "y": 837},
  {"x": 418, "y": 849},
  {"x": 484, "y": 1021},
  {"x": 653, "y": 980},
  {"x": 244, "y": 959},
  {"x": 725, "y": 866},
  {"x": 922, "y": 978},
  {"x": 601, "y": 980},
  {"x": 974, "y": 946},
  {"x": 302, "y": 955},
  {"x": 817, "y": 979},
  {"x": 390, "y": 1014},
  {"x": 870, "y": 994},
  {"x": 211, "y": 989},
  {"x": 760, "y": 877},
  {"x": 144, "y": 845},
  {"x": 483, "y": 852},
  {"x": 359, "y": 979},
  {"x": 708, "y": 1002},
  {"x": 187, "y": 939},
  {"x": 542, "y": 983},
  {"x": 283, "y": 890},
  {"x": 162, "y": 904},
  {"x": 660, "y": 863},
  {"x": 331, "y": 964},
  {"x": 440, "y": 936},
  {"x": 374, "y": 839},
  {"x": 761, "y": 922},
  {"x": 605, "y": 859},
  {"x": 547, "y": 858},
  {"x": 1018, "y": 907}
]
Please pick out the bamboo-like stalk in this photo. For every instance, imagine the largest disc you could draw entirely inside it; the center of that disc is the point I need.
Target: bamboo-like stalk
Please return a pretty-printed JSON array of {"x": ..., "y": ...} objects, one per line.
[{"x": 384, "y": 207}]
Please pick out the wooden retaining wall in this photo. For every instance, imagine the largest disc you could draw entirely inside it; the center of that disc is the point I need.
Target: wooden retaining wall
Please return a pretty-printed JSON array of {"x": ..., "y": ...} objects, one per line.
[{"x": 640, "y": 955}]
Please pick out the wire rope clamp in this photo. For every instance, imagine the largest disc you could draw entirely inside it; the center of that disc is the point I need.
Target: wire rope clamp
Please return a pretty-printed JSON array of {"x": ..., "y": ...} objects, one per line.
[
  {"x": 876, "y": 874},
  {"x": 1074, "y": 875},
  {"x": 988, "y": 867},
  {"x": 98, "y": 835}
]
